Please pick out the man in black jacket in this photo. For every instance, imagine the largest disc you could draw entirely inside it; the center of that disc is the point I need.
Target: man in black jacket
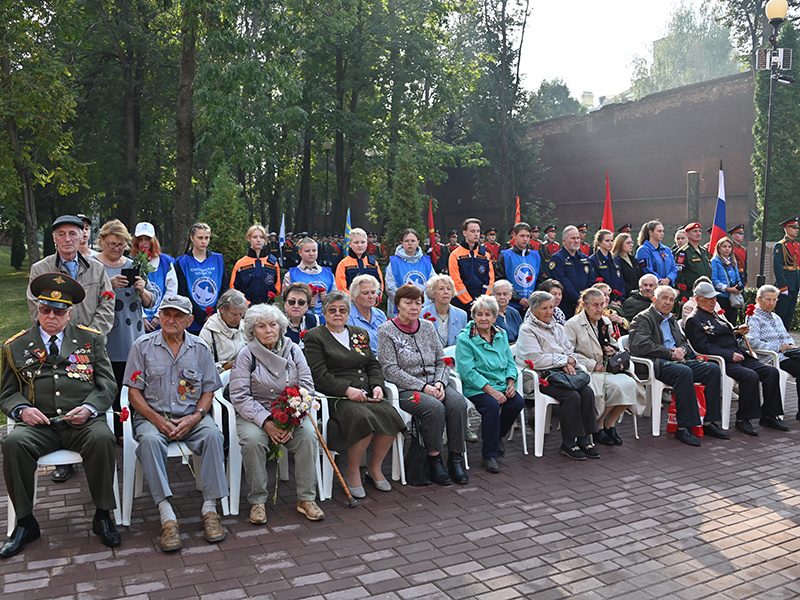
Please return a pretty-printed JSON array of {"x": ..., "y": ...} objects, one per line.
[
  {"x": 655, "y": 334},
  {"x": 641, "y": 299},
  {"x": 712, "y": 334}
]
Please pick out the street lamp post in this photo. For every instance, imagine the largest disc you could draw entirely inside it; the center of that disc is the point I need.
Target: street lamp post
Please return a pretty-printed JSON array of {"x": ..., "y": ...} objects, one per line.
[
  {"x": 776, "y": 14},
  {"x": 327, "y": 144}
]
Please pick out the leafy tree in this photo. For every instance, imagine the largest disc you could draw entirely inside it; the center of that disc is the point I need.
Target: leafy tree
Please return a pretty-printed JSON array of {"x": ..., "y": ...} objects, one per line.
[
  {"x": 696, "y": 48},
  {"x": 227, "y": 216},
  {"x": 406, "y": 201},
  {"x": 785, "y": 168},
  {"x": 553, "y": 99},
  {"x": 747, "y": 23}
]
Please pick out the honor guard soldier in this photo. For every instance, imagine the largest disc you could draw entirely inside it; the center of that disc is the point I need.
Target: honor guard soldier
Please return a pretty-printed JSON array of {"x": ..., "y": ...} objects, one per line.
[
  {"x": 548, "y": 248},
  {"x": 736, "y": 233},
  {"x": 491, "y": 244},
  {"x": 571, "y": 268},
  {"x": 534, "y": 243},
  {"x": 510, "y": 241},
  {"x": 453, "y": 237},
  {"x": 786, "y": 265},
  {"x": 57, "y": 383},
  {"x": 691, "y": 260},
  {"x": 582, "y": 231}
]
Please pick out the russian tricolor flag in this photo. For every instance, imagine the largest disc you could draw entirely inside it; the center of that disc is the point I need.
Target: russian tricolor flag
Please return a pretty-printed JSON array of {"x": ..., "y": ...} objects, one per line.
[{"x": 719, "y": 229}]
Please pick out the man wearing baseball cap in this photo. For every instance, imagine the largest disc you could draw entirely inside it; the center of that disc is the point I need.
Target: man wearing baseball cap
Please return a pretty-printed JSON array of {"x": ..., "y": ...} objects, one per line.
[
  {"x": 692, "y": 260},
  {"x": 57, "y": 381},
  {"x": 171, "y": 379}
]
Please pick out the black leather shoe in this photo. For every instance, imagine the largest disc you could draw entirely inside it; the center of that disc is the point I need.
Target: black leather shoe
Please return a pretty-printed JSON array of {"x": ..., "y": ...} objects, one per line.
[
  {"x": 746, "y": 427},
  {"x": 589, "y": 450},
  {"x": 612, "y": 433},
  {"x": 572, "y": 451},
  {"x": 455, "y": 465},
  {"x": 715, "y": 431},
  {"x": 685, "y": 435},
  {"x": 19, "y": 537},
  {"x": 438, "y": 474},
  {"x": 501, "y": 448},
  {"x": 602, "y": 437},
  {"x": 105, "y": 528},
  {"x": 773, "y": 423},
  {"x": 797, "y": 416},
  {"x": 62, "y": 473},
  {"x": 490, "y": 464}
]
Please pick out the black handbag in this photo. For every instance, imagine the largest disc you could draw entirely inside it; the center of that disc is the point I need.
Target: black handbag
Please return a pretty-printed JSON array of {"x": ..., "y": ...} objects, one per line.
[
  {"x": 416, "y": 459},
  {"x": 619, "y": 362},
  {"x": 793, "y": 353},
  {"x": 561, "y": 379}
]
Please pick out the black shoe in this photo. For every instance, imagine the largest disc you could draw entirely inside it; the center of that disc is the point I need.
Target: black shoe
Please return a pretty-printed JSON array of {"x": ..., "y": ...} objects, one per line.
[
  {"x": 685, "y": 435},
  {"x": 602, "y": 437},
  {"x": 612, "y": 433},
  {"x": 438, "y": 474},
  {"x": 773, "y": 423},
  {"x": 62, "y": 473},
  {"x": 715, "y": 431},
  {"x": 19, "y": 537},
  {"x": 455, "y": 465},
  {"x": 490, "y": 464},
  {"x": 746, "y": 427},
  {"x": 105, "y": 528},
  {"x": 797, "y": 416},
  {"x": 589, "y": 450},
  {"x": 501, "y": 447},
  {"x": 573, "y": 451}
]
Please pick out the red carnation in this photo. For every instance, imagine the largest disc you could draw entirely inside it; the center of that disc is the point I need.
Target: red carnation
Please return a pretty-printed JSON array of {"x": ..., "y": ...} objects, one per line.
[
  {"x": 271, "y": 295},
  {"x": 448, "y": 361},
  {"x": 529, "y": 364},
  {"x": 107, "y": 294},
  {"x": 598, "y": 280},
  {"x": 751, "y": 309},
  {"x": 702, "y": 358},
  {"x": 280, "y": 416},
  {"x": 682, "y": 287},
  {"x": 124, "y": 414},
  {"x": 432, "y": 319},
  {"x": 292, "y": 392},
  {"x": 543, "y": 382},
  {"x": 415, "y": 398},
  {"x": 209, "y": 310},
  {"x": 135, "y": 375},
  {"x": 303, "y": 333},
  {"x": 529, "y": 278},
  {"x": 720, "y": 312},
  {"x": 427, "y": 315}
]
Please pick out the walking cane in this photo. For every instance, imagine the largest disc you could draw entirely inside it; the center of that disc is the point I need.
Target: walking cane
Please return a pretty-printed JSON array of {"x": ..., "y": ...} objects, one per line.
[{"x": 351, "y": 502}]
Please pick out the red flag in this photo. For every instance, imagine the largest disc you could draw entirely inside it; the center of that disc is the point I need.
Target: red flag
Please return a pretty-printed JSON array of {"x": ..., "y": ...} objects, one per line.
[
  {"x": 435, "y": 251},
  {"x": 517, "y": 217},
  {"x": 608, "y": 216}
]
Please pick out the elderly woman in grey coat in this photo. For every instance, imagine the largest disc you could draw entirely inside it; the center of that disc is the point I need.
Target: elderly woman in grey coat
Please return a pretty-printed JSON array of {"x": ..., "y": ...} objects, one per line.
[
  {"x": 222, "y": 332},
  {"x": 266, "y": 366}
]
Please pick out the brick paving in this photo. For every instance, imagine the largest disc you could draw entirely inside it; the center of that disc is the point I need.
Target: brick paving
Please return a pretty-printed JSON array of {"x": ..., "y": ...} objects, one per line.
[{"x": 651, "y": 519}]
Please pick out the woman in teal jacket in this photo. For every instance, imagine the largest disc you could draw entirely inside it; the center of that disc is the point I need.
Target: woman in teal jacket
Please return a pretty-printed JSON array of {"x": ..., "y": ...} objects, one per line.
[{"x": 489, "y": 372}]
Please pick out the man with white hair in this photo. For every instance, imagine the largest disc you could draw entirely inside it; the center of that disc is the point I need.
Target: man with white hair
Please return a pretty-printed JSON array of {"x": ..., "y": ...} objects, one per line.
[
  {"x": 655, "y": 334},
  {"x": 570, "y": 266},
  {"x": 640, "y": 299}
]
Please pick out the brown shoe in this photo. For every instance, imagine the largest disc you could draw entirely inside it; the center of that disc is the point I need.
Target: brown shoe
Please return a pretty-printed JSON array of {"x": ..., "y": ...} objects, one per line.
[
  {"x": 310, "y": 509},
  {"x": 212, "y": 526},
  {"x": 171, "y": 537},
  {"x": 258, "y": 514}
]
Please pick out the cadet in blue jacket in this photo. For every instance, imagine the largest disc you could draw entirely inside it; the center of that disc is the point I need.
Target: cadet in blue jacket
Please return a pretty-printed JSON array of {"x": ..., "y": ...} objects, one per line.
[
  {"x": 570, "y": 267},
  {"x": 653, "y": 256}
]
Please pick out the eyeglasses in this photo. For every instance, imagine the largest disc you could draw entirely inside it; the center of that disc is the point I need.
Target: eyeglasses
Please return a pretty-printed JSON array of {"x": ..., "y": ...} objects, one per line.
[
  {"x": 115, "y": 245},
  {"x": 338, "y": 311},
  {"x": 46, "y": 310},
  {"x": 292, "y": 302}
]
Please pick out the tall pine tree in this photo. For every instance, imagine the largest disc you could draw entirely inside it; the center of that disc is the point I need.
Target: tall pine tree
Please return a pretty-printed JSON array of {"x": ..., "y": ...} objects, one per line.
[{"x": 405, "y": 202}]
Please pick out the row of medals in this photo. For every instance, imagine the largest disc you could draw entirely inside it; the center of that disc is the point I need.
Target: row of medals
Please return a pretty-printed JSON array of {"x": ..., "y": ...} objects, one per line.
[{"x": 79, "y": 367}]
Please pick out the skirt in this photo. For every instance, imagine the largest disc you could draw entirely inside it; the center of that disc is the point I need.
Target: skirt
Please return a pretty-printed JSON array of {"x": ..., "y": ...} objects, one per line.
[{"x": 353, "y": 421}]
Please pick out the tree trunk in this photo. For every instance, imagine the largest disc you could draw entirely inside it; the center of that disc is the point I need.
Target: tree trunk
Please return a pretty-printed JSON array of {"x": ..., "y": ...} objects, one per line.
[
  {"x": 304, "y": 213},
  {"x": 182, "y": 214}
]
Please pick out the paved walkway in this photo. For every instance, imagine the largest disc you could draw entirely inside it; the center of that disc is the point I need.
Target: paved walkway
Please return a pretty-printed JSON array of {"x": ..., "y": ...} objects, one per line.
[{"x": 651, "y": 519}]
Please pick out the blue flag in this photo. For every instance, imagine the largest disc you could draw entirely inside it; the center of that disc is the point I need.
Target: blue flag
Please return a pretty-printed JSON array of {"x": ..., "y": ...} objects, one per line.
[{"x": 347, "y": 228}]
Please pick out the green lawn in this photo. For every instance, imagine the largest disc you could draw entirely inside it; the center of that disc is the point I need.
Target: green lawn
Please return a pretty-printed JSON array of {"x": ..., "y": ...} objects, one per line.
[{"x": 14, "y": 315}]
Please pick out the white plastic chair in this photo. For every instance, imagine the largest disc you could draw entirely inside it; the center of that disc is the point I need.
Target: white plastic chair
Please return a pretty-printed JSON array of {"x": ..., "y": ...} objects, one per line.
[
  {"x": 450, "y": 352},
  {"x": 542, "y": 409},
  {"x": 774, "y": 360},
  {"x": 132, "y": 475},
  {"x": 55, "y": 459},
  {"x": 653, "y": 386},
  {"x": 726, "y": 388}
]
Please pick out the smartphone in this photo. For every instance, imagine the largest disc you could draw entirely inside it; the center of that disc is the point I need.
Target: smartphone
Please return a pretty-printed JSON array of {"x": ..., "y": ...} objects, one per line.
[{"x": 130, "y": 275}]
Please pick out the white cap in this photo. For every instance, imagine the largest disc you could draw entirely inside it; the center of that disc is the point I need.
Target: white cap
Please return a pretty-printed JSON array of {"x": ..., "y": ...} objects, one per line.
[{"x": 145, "y": 228}]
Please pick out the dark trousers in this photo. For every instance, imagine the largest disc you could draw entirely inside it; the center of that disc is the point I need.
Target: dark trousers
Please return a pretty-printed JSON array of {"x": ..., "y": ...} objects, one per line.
[
  {"x": 792, "y": 366},
  {"x": 682, "y": 377},
  {"x": 785, "y": 307},
  {"x": 748, "y": 373},
  {"x": 496, "y": 420},
  {"x": 577, "y": 412},
  {"x": 732, "y": 314}
]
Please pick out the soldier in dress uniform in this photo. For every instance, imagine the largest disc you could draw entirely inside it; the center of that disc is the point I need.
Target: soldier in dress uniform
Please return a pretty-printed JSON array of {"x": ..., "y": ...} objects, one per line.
[
  {"x": 548, "y": 249},
  {"x": 535, "y": 244},
  {"x": 582, "y": 231},
  {"x": 453, "y": 237},
  {"x": 273, "y": 245},
  {"x": 786, "y": 265},
  {"x": 491, "y": 244},
  {"x": 736, "y": 233},
  {"x": 57, "y": 382},
  {"x": 692, "y": 260}
]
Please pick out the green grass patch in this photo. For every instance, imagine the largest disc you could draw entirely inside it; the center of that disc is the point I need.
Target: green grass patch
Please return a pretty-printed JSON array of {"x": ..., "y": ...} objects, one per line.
[{"x": 14, "y": 316}]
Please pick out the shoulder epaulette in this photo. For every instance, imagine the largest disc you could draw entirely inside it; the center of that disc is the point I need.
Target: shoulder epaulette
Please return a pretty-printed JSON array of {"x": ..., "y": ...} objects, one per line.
[
  {"x": 13, "y": 337},
  {"x": 684, "y": 247},
  {"x": 85, "y": 328}
]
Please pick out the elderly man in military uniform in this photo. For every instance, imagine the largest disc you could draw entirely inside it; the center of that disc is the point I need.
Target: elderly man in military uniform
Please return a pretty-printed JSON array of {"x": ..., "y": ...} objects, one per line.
[
  {"x": 570, "y": 266},
  {"x": 692, "y": 260},
  {"x": 786, "y": 265},
  {"x": 171, "y": 379},
  {"x": 57, "y": 383}
]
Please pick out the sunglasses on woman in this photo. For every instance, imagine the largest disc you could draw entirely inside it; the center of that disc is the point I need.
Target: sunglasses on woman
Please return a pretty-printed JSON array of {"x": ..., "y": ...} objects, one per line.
[{"x": 292, "y": 302}]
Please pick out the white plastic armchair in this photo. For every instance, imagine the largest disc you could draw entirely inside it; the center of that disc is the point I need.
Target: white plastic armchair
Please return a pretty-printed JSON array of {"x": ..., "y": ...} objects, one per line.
[
  {"x": 653, "y": 387},
  {"x": 726, "y": 387},
  {"x": 774, "y": 360},
  {"x": 542, "y": 409}
]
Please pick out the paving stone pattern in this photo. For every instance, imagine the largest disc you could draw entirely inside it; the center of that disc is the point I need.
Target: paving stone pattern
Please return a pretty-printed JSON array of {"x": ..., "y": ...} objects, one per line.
[{"x": 651, "y": 519}]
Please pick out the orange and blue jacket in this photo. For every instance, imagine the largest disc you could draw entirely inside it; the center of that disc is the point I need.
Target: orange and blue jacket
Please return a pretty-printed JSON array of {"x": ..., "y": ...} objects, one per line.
[
  {"x": 257, "y": 277},
  {"x": 351, "y": 266},
  {"x": 472, "y": 272}
]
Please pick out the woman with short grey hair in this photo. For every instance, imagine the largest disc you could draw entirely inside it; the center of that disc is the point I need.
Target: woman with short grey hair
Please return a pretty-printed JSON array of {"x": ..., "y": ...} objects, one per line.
[
  {"x": 509, "y": 320},
  {"x": 336, "y": 296},
  {"x": 365, "y": 291},
  {"x": 485, "y": 303},
  {"x": 222, "y": 332},
  {"x": 536, "y": 298},
  {"x": 263, "y": 312},
  {"x": 449, "y": 319}
]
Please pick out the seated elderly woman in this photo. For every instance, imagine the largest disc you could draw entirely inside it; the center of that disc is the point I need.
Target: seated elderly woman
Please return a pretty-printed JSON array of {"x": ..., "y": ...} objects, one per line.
[
  {"x": 413, "y": 359},
  {"x": 266, "y": 366},
  {"x": 545, "y": 343},
  {"x": 484, "y": 357},
  {"x": 592, "y": 336},
  {"x": 449, "y": 319},
  {"x": 222, "y": 332},
  {"x": 613, "y": 309},
  {"x": 767, "y": 332},
  {"x": 556, "y": 289},
  {"x": 345, "y": 368},
  {"x": 365, "y": 291},
  {"x": 296, "y": 298},
  {"x": 508, "y": 320}
]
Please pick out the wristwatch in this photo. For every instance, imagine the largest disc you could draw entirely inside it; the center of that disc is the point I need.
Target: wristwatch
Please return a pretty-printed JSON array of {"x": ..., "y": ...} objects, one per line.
[{"x": 202, "y": 412}]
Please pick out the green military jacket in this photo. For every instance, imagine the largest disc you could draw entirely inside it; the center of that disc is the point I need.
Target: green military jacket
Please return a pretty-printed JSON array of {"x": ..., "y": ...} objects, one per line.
[
  {"x": 80, "y": 374},
  {"x": 691, "y": 265}
]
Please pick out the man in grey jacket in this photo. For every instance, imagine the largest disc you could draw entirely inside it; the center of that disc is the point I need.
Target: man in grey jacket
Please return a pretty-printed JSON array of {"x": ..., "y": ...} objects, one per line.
[{"x": 655, "y": 334}]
